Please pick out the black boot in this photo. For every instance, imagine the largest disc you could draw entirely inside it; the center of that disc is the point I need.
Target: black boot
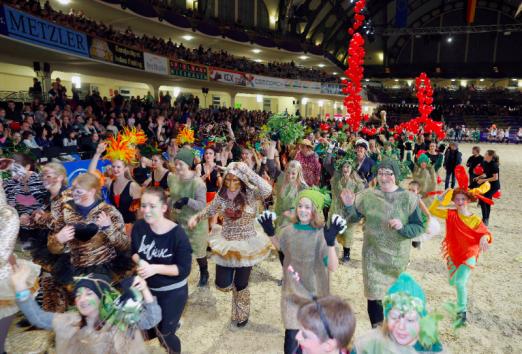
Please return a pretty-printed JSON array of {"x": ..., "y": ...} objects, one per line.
[
  {"x": 203, "y": 272},
  {"x": 203, "y": 279},
  {"x": 486, "y": 221},
  {"x": 416, "y": 244},
  {"x": 461, "y": 319},
  {"x": 346, "y": 255}
]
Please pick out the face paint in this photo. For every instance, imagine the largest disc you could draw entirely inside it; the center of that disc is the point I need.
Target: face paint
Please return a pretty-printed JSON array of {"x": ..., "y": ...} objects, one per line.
[
  {"x": 182, "y": 169},
  {"x": 232, "y": 183},
  {"x": 87, "y": 302},
  {"x": 403, "y": 327},
  {"x": 304, "y": 211},
  {"x": 49, "y": 178},
  {"x": 386, "y": 178},
  {"x": 80, "y": 196}
]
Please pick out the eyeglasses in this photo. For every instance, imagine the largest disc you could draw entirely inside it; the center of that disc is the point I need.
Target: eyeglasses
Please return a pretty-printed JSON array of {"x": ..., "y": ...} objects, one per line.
[{"x": 385, "y": 174}]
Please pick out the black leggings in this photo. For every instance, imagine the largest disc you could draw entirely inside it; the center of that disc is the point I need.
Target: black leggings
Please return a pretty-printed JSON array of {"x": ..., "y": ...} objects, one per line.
[
  {"x": 486, "y": 208},
  {"x": 226, "y": 276},
  {"x": 172, "y": 304}
]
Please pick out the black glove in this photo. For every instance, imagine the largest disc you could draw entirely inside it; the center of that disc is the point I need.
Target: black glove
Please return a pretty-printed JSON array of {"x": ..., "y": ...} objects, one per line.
[
  {"x": 267, "y": 224},
  {"x": 181, "y": 203},
  {"x": 84, "y": 232},
  {"x": 330, "y": 233}
]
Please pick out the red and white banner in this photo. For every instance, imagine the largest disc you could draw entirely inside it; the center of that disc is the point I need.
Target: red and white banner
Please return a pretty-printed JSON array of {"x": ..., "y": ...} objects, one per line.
[{"x": 230, "y": 77}]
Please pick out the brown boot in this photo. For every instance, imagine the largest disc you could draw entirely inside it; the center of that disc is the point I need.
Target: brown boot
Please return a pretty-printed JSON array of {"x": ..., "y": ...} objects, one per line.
[{"x": 240, "y": 307}]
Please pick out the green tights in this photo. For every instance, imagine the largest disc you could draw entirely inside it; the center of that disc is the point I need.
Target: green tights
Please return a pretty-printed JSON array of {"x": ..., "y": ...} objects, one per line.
[{"x": 459, "y": 277}]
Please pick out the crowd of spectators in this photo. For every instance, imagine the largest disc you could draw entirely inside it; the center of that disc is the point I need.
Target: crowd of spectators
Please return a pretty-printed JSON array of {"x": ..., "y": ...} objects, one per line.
[{"x": 218, "y": 58}]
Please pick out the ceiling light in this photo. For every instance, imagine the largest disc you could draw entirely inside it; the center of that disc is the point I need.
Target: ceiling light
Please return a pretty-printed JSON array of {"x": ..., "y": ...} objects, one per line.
[
  {"x": 321, "y": 103},
  {"x": 334, "y": 73},
  {"x": 343, "y": 78},
  {"x": 481, "y": 80},
  {"x": 513, "y": 79},
  {"x": 396, "y": 80},
  {"x": 366, "y": 80},
  {"x": 64, "y": 2},
  {"x": 321, "y": 65},
  {"x": 449, "y": 39},
  {"x": 257, "y": 51},
  {"x": 452, "y": 80},
  {"x": 258, "y": 60},
  {"x": 259, "y": 98},
  {"x": 305, "y": 100},
  {"x": 187, "y": 37},
  {"x": 303, "y": 57},
  {"x": 77, "y": 81}
]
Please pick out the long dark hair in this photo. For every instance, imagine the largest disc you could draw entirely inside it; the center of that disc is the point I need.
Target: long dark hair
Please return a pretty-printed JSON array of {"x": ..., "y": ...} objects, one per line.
[{"x": 494, "y": 156}]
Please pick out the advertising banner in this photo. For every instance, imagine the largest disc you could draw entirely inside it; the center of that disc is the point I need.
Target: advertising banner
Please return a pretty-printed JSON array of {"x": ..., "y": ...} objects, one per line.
[
  {"x": 28, "y": 28},
  {"x": 127, "y": 56},
  {"x": 156, "y": 64},
  {"x": 231, "y": 77},
  {"x": 99, "y": 49},
  {"x": 289, "y": 85},
  {"x": 188, "y": 70},
  {"x": 332, "y": 89}
]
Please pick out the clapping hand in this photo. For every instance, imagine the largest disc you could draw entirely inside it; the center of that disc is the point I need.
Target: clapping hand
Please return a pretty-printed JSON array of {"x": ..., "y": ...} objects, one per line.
[
  {"x": 103, "y": 220},
  {"x": 266, "y": 219}
]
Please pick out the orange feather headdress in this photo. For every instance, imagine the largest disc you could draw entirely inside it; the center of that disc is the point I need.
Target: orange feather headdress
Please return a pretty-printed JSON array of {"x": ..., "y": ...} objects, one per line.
[{"x": 123, "y": 147}]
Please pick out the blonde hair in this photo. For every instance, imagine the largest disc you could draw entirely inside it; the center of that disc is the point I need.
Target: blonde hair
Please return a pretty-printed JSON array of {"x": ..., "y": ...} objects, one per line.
[
  {"x": 58, "y": 169},
  {"x": 294, "y": 165},
  {"x": 317, "y": 221},
  {"x": 89, "y": 181}
]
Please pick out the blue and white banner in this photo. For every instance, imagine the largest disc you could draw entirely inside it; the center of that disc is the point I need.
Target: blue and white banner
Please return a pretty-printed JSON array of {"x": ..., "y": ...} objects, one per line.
[
  {"x": 32, "y": 29},
  {"x": 76, "y": 168}
]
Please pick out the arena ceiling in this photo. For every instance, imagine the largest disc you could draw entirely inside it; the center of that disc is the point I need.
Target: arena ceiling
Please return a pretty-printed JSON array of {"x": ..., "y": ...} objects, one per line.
[{"x": 321, "y": 27}]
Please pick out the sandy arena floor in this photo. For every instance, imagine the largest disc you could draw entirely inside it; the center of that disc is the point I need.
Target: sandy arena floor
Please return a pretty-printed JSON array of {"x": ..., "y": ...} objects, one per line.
[{"x": 495, "y": 306}]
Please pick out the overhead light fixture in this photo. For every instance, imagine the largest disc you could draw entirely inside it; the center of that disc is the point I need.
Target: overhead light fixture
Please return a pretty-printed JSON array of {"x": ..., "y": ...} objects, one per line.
[
  {"x": 452, "y": 80},
  {"x": 64, "y": 2},
  {"x": 409, "y": 82},
  {"x": 321, "y": 65},
  {"x": 449, "y": 39},
  {"x": 367, "y": 80},
  {"x": 463, "y": 83},
  {"x": 176, "y": 92},
  {"x": 305, "y": 100},
  {"x": 259, "y": 98},
  {"x": 303, "y": 57},
  {"x": 334, "y": 73},
  {"x": 481, "y": 80},
  {"x": 396, "y": 80},
  {"x": 321, "y": 103},
  {"x": 258, "y": 60},
  {"x": 343, "y": 78},
  {"x": 257, "y": 51},
  {"x": 514, "y": 79},
  {"x": 187, "y": 37}
]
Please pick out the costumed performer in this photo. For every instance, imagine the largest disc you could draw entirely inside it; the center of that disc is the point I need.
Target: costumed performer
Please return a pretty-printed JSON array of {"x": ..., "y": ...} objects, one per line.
[
  {"x": 160, "y": 174},
  {"x": 466, "y": 237},
  {"x": 8, "y": 233},
  {"x": 435, "y": 156},
  {"x": 326, "y": 326},
  {"x": 310, "y": 162},
  {"x": 392, "y": 217},
  {"x": 54, "y": 295},
  {"x": 407, "y": 326},
  {"x": 162, "y": 251},
  {"x": 287, "y": 187},
  {"x": 345, "y": 177},
  {"x": 424, "y": 173},
  {"x": 309, "y": 248},
  {"x": 94, "y": 234},
  {"x": 238, "y": 245},
  {"x": 102, "y": 322},
  {"x": 211, "y": 176},
  {"x": 124, "y": 192},
  {"x": 187, "y": 193}
]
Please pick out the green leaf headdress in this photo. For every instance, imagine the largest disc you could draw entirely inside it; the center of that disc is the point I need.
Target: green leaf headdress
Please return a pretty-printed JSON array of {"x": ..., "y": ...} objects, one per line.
[{"x": 288, "y": 128}]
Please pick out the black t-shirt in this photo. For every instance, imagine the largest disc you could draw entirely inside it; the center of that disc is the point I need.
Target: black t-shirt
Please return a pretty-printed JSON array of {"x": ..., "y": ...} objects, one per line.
[
  {"x": 490, "y": 168},
  {"x": 172, "y": 247},
  {"x": 473, "y": 161}
]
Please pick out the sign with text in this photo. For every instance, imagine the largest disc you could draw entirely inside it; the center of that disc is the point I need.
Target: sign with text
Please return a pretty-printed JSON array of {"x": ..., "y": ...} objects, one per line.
[
  {"x": 188, "y": 70},
  {"x": 279, "y": 84},
  {"x": 156, "y": 64},
  {"x": 330, "y": 88},
  {"x": 127, "y": 56},
  {"x": 230, "y": 77},
  {"x": 32, "y": 29}
]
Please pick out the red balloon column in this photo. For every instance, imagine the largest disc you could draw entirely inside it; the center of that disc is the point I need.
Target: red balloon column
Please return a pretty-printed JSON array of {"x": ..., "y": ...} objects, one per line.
[
  {"x": 355, "y": 71},
  {"x": 423, "y": 123}
]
